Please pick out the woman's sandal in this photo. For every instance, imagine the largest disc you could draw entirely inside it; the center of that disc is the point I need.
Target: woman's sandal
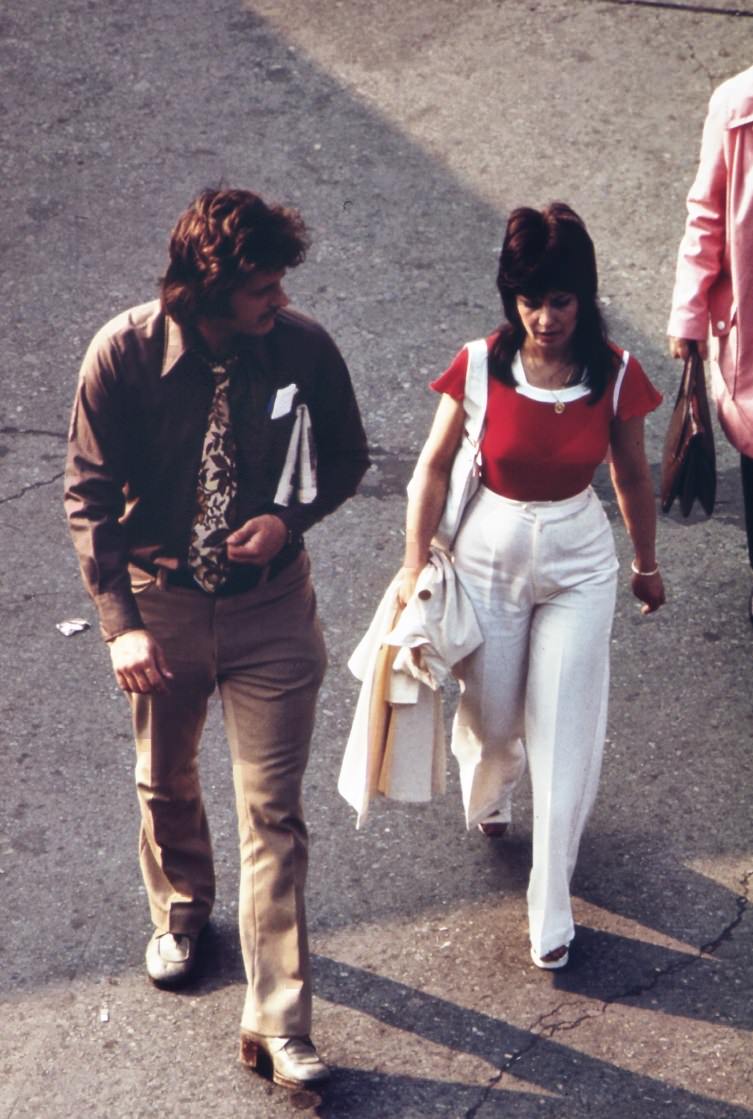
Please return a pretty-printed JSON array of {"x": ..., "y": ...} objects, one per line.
[{"x": 553, "y": 960}]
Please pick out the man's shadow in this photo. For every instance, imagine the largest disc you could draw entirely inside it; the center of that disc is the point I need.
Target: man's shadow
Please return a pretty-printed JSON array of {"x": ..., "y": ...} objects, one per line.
[
  {"x": 652, "y": 889},
  {"x": 575, "y": 1082},
  {"x": 563, "y": 1080}
]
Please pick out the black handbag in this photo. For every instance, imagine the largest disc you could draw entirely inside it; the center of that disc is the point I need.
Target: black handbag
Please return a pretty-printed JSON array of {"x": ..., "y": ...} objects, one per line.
[{"x": 688, "y": 470}]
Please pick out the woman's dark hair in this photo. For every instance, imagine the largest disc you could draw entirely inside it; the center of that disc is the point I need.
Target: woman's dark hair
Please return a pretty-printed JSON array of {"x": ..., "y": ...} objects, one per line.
[
  {"x": 543, "y": 251},
  {"x": 218, "y": 242}
]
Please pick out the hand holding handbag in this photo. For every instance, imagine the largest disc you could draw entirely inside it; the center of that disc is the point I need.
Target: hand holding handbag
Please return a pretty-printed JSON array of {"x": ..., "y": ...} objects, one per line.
[{"x": 688, "y": 469}]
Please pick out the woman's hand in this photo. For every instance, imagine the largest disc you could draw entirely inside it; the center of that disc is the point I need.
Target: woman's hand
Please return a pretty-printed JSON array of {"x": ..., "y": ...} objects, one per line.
[
  {"x": 407, "y": 585},
  {"x": 650, "y": 590},
  {"x": 680, "y": 347}
]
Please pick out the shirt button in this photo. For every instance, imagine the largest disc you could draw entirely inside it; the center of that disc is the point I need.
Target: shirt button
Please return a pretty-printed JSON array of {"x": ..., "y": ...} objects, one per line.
[{"x": 721, "y": 324}]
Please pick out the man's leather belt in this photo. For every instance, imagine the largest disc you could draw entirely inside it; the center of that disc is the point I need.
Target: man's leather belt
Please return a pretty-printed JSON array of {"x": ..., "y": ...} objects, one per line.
[{"x": 243, "y": 577}]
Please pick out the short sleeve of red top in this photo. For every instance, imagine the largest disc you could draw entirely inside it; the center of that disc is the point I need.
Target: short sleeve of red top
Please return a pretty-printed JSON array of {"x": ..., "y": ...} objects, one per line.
[{"x": 530, "y": 451}]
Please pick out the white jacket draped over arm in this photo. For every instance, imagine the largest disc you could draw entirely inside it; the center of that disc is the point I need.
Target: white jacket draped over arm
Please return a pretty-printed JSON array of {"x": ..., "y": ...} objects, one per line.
[{"x": 396, "y": 744}]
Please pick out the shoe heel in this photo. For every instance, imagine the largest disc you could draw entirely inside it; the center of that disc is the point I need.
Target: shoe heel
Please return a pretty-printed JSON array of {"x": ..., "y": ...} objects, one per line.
[{"x": 250, "y": 1052}]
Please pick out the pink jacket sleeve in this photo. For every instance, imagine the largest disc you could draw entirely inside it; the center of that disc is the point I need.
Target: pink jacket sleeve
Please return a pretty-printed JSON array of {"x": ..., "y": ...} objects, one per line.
[{"x": 701, "y": 254}]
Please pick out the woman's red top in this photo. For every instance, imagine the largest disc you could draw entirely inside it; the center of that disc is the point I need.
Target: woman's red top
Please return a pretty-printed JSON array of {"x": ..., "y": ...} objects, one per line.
[{"x": 532, "y": 452}]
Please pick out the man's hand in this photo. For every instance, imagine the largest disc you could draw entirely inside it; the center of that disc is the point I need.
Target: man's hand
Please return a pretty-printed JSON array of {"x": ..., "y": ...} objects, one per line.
[
  {"x": 139, "y": 663},
  {"x": 258, "y": 540},
  {"x": 680, "y": 347}
]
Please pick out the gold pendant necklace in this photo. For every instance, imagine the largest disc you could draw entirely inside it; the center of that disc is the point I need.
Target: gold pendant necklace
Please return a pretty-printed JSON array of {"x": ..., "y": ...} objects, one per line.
[{"x": 559, "y": 405}]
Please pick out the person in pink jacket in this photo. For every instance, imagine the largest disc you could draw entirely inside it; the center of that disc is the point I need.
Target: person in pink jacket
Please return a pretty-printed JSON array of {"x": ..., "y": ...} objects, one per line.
[{"x": 714, "y": 281}]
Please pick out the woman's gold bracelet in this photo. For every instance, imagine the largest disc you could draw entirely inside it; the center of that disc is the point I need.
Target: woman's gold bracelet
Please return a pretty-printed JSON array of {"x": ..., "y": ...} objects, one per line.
[{"x": 636, "y": 570}]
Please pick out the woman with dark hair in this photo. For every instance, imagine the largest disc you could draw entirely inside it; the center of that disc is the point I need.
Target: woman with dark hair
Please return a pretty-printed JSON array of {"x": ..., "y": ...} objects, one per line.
[{"x": 535, "y": 552}]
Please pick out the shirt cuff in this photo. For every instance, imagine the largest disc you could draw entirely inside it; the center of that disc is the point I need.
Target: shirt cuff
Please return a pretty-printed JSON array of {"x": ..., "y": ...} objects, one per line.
[
  {"x": 693, "y": 327},
  {"x": 118, "y": 613},
  {"x": 294, "y": 522}
]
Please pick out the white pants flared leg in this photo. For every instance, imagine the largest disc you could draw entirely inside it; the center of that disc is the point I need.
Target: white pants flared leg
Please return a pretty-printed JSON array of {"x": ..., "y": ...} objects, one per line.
[{"x": 542, "y": 579}]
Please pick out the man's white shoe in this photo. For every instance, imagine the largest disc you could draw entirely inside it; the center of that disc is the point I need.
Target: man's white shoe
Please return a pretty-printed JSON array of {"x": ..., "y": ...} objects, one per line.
[
  {"x": 170, "y": 958},
  {"x": 292, "y": 1062}
]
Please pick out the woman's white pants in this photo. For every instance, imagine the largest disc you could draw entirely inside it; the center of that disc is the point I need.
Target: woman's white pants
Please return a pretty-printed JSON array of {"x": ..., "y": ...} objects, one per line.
[{"x": 542, "y": 578}]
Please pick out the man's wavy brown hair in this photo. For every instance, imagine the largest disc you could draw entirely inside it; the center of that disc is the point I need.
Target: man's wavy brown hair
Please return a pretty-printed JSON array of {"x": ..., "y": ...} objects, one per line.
[{"x": 218, "y": 242}]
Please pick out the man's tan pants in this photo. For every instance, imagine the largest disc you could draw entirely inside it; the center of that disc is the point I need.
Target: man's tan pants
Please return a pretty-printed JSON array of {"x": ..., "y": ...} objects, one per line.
[{"x": 264, "y": 650}]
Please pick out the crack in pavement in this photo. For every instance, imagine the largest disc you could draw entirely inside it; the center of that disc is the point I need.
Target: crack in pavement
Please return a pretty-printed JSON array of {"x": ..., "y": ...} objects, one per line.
[
  {"x": 9, "y": 430},
  {"x": 542, "y": 1029},
  {"x": 31, "y": 486},
  {"x": 702, "y": 66},
  {"x": 697, "y": 9}
]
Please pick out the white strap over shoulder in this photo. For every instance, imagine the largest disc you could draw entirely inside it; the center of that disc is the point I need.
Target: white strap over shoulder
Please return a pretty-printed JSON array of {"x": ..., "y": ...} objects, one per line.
[
  {"x": 618, "y": 383},
  {"x": 476, "y": 388},
  {"x": 465, "y": 473}
]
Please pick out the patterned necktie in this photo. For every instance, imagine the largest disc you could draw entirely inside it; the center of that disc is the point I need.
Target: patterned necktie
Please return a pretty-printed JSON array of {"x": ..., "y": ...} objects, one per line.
[{"x": 216, "y": 491}]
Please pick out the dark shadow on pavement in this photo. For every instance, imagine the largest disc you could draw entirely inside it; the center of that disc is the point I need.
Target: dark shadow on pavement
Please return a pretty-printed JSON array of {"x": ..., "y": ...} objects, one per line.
[{"x": 591, "y": 1084}]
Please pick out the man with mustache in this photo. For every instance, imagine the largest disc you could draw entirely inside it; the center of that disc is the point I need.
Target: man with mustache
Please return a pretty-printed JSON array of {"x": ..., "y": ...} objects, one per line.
[{"x": 211, "y": 428}]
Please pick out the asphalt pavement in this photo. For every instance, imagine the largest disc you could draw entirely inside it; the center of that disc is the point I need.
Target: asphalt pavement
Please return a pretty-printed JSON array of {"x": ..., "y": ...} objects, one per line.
[{"x": 405, "y": 131}]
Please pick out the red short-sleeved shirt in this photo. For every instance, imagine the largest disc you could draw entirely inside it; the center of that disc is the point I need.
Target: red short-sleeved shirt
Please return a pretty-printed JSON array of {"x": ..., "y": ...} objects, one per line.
[{"x": 529, "y": 451}]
